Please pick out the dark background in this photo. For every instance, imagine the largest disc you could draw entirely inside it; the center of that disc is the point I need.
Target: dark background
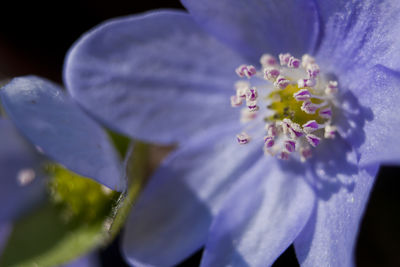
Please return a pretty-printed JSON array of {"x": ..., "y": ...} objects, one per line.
[{"x": 34, "y": 37}]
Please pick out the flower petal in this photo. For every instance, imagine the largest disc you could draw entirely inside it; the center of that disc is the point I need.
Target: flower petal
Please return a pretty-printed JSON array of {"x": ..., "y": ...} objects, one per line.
[
  {"x": 157, "y": 77},
  {"x": 52, "y": 122},
  {"x": 360, "y": 33},
  {"x": 372, "y": 124},
  {"x": 329, "y": 237},
  {"x": 89, "y": 260},
  {"x": 260, "y": 218},
  {"x": 22, "y": 184},
  {"x": 174, "y": 212},
  {"x": 255, "y": 27}
]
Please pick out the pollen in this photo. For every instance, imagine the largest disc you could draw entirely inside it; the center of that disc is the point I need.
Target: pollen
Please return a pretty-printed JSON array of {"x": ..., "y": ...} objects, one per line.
[{"x": 295, "y": 100}]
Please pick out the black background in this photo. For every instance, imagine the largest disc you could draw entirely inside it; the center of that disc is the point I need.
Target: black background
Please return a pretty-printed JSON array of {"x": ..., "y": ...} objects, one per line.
[{"x": 34, "y": 37}]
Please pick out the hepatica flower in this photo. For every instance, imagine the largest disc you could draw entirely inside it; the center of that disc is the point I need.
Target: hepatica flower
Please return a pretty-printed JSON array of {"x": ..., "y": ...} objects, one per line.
[{"x": 314, "y": 90}]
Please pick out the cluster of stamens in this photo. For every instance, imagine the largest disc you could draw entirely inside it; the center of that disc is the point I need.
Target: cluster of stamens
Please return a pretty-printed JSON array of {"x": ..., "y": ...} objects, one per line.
[{"x": 300, "y": 100}]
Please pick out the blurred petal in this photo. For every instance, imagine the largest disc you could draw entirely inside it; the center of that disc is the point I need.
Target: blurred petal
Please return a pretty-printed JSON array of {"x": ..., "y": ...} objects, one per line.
[
  {"x": 360, "y": 33},
  {"x": 372, "y": 122},
  {"x": 21, "y": 182},
  {"x": 52, "y": 122},
  {"x": 172, "y": 218},
  {"x": 261, "y": 218},
  {"x": 329, "y": 237},
  {"x": 90, "y": 260},
  {"x": 255, "y": 27},
  {"x": 156, "y": 77}
]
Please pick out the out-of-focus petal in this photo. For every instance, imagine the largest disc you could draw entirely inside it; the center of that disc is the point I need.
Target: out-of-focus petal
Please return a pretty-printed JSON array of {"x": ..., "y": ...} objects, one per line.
[
  {"x": 21, "y": 182},
  {"x": 61, "y": 130},
  {"x": 157, "y": 77},
  {"x": 255, "y": 27},
  {"x": 90, "y": 260},
  {"x": 329, "y": 237},
  {"x": 359, "y": 33},
  {"x": 173, "y": 215},
  {"x": 260, "y": 219}
]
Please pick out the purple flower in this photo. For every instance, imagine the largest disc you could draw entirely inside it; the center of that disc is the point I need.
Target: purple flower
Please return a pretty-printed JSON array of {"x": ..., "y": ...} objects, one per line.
[{"x": 167, "y": 77}]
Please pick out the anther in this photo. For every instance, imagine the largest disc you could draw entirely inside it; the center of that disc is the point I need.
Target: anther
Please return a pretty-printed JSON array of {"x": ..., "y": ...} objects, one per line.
[
  {"x": 251, "y": 94},
  {"x": 306, "y": 83},
  {"x": 302, "y": 95},
  {"x": 268, "y": 60},
  {"x": 310, "y": 126},
  {"x": 281, "y": 82},
  {"x": 271, "y": 73},
  {"x": 293, "y": 63},
  {"x": 332, "y": 87},
  {"x": 330, "y": 131},
  {"x": 290, "y": 145},
  {"x": 312, "y": 71},
  {"x": 284, "y": 59},
  {"x": 269, "y": 141},
  {"x": 307, "y": 60},
  {"x": 271, "y": 129},
  {"x": 246, "y": 70},
  {"x": 243, "y": 138},
  {"x": 310, "y": 107},
  {"x": 325, "y": 113},
  {"x": 313, "y": 139}
]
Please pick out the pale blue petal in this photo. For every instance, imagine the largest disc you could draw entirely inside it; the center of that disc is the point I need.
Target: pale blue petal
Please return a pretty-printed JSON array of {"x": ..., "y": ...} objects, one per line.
[
  {"x": 174, "y": 212},
  {"x": 260, "y": 218},
  {"x": 157, "y": 76},
  {"x": 372, "y": 121},
  {"x": 55, "y": 124},
  {"x": 359, "y": 33},
  {"x": 22, "y": 185},
  {"x": 329, "y": 237},
  {"x": 255, "y": 27}
]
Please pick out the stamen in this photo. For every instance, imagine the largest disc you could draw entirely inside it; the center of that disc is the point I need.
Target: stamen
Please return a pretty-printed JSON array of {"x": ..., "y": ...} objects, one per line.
[
  {"x": 267, "y": 60},
  {"x": 306, "y": 83},
  {"x": 313, "y": 139},
  {"x": 330, "y": 132},
  {"x": 246, "y": 70},
  {"x": 310, "y": 126},
  {"x": 284, "y": 59},
  {"x": 281, "y": 82},
  {"x": 302, "y": 95},
  {"x": 301, "y": 108},
  {"x": 243, "y": 138},
  {"x": 325, "y": 113},
  {"x": 290, "y": 145},
  {"x": 269, "y": 141},
  {"x": 271, "y": 74}
]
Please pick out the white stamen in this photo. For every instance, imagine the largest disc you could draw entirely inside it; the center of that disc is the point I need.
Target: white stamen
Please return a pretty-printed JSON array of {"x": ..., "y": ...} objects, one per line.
[
  {"x": 25, "y": 176},
  {"x": 243, "y": 138},
  {"x": 330, "y": 131},
  {"x": 236, "y": 101},
  {"x": 281, "y": 82},
  {"x": 246, "y": 71},
  {"x": 267, "y": 60}
]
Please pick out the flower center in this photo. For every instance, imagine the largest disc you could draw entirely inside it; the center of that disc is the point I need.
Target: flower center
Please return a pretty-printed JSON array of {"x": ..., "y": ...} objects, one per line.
[{"x": 298, "y": 104}]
